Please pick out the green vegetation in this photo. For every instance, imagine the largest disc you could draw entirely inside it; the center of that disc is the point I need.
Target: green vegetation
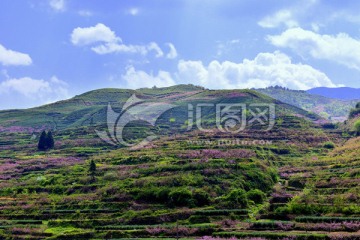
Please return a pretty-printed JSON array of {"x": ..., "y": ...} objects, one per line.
[
  {"x": 355, "y": 111},
  {"x": 357, "y": 127},
  {"x": 333, "y": 109},
  {"x": 92, "y": 170},
  {"x": 329, "y": 145},
  {"x": 298, "y": 180}
]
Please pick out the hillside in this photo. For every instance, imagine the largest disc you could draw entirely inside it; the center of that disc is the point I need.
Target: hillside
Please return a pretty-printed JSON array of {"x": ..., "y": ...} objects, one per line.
[
  {"x": 344, "y": 93},
  {"x": 193, "y": 184},
  {"x": 354, "y": 119},
  {"x": 336, "y": 110},
  {"x": 89, "y": 109},
  {"x": 187, "y": 183}
]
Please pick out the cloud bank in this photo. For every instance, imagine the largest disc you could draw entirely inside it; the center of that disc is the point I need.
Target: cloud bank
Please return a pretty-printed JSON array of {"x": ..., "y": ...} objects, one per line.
[
  {"x": 31, "y": 92},
  {"x": 266, "y": 69},
  {"x": 340, "y": 48}
]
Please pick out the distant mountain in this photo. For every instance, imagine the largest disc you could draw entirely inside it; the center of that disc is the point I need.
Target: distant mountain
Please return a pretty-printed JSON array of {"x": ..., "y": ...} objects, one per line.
[
  {"x": 336, "y": 110},
  {"x": 345, "y": 93}
]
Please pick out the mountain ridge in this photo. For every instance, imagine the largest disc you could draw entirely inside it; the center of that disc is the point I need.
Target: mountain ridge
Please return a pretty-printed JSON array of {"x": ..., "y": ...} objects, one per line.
[
  {"x": 336, "y": 110},
  {"x": 90, "y": 107},
  {"x": 344, "y": 93}
]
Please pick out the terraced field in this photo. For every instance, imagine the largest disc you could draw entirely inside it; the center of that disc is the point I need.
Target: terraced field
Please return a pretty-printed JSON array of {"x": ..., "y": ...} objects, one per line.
[{"x": 296, "y": 181}]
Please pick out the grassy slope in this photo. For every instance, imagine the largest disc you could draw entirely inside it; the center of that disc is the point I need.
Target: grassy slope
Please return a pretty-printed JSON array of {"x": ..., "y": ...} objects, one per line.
[
  {"x": 185, "y": 178},
  {"x": 326, "y": 185},
  {"x": 90, "y": 108},
  {"x": 176, "y": 179}
]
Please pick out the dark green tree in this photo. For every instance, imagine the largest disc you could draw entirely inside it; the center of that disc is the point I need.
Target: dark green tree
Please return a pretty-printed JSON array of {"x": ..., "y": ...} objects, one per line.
[
  {"x": 42, "y": 145},
  {"x": 50, "y": 140},
  {"x": 46, "y": 141},
  {"x": 92, "y": 170}
]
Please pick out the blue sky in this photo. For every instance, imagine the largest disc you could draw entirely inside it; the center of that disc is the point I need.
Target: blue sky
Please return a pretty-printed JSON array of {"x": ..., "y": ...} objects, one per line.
[{"x": 54, "y": 49}]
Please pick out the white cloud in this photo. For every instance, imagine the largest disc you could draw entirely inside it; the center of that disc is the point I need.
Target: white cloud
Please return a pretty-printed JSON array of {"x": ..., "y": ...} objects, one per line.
[
  {"x": 266, "y": 69},
  {"x": 107, "y": 48},
  {"x": 315, "y": 27},
  {"x": 340, "y": 48},
  {"x": 282, "y": 17},
  {"x": 299, "y": 12},
  {"x": 133, "y": 11},
  {"x": 35, "y": 89},
  {"x": 85, "y": 13},
  {"x": 105, "y": 41},
  {"x": 172, "y": 53},
  {"x": 26, "y": 86},
  {"x": 346, "y": 15},
  {"x": 90, "y": 35},
  {"x": 10, "y": 57},
  {"x": 137, "y": 79},
  {"x": 154, "y": 47},
  {"x": 227, "y": 47},
  {"x": 58, "y": 5}
]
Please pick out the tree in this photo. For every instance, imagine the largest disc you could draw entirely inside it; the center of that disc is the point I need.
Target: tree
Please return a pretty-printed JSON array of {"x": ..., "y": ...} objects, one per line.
[
  {"x": 329, "y": 145},
  {"x": 92, "y": 170},
  {"x": 181, "y": 197},
  {"x": 237, "y": 198},
  {"x": 256, "y": 195},
  {"x": 46, "y": 141},
  {"x": 50, "y": 140},
  {"x": 357, "y": 127},
  {"x": 42, "y": 145},
  {"x": 355, "y": 111}
]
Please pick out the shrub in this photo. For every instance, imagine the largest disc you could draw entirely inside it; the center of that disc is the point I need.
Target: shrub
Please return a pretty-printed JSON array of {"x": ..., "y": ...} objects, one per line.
[
  {"x": 329, "y": 145},
  {"x": 357, "y": 127},
  {"x": 181, "y": 197},
  {"x": 199, "y": 219},
  {"x": 148, "y": 195},
  {"x": 354, "y": 112},
  {"x": 256, "y": 195},
  {"x": 297, "y": 183},
  {"x": 92, "y": 170},
  {"x": 111, "y": 176},
  {"x": 237, "y": 198},
  {"x": 201, "y": 197},
  {"x": 329, "y": 126},
  {"x": 162, "y": 195}
]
